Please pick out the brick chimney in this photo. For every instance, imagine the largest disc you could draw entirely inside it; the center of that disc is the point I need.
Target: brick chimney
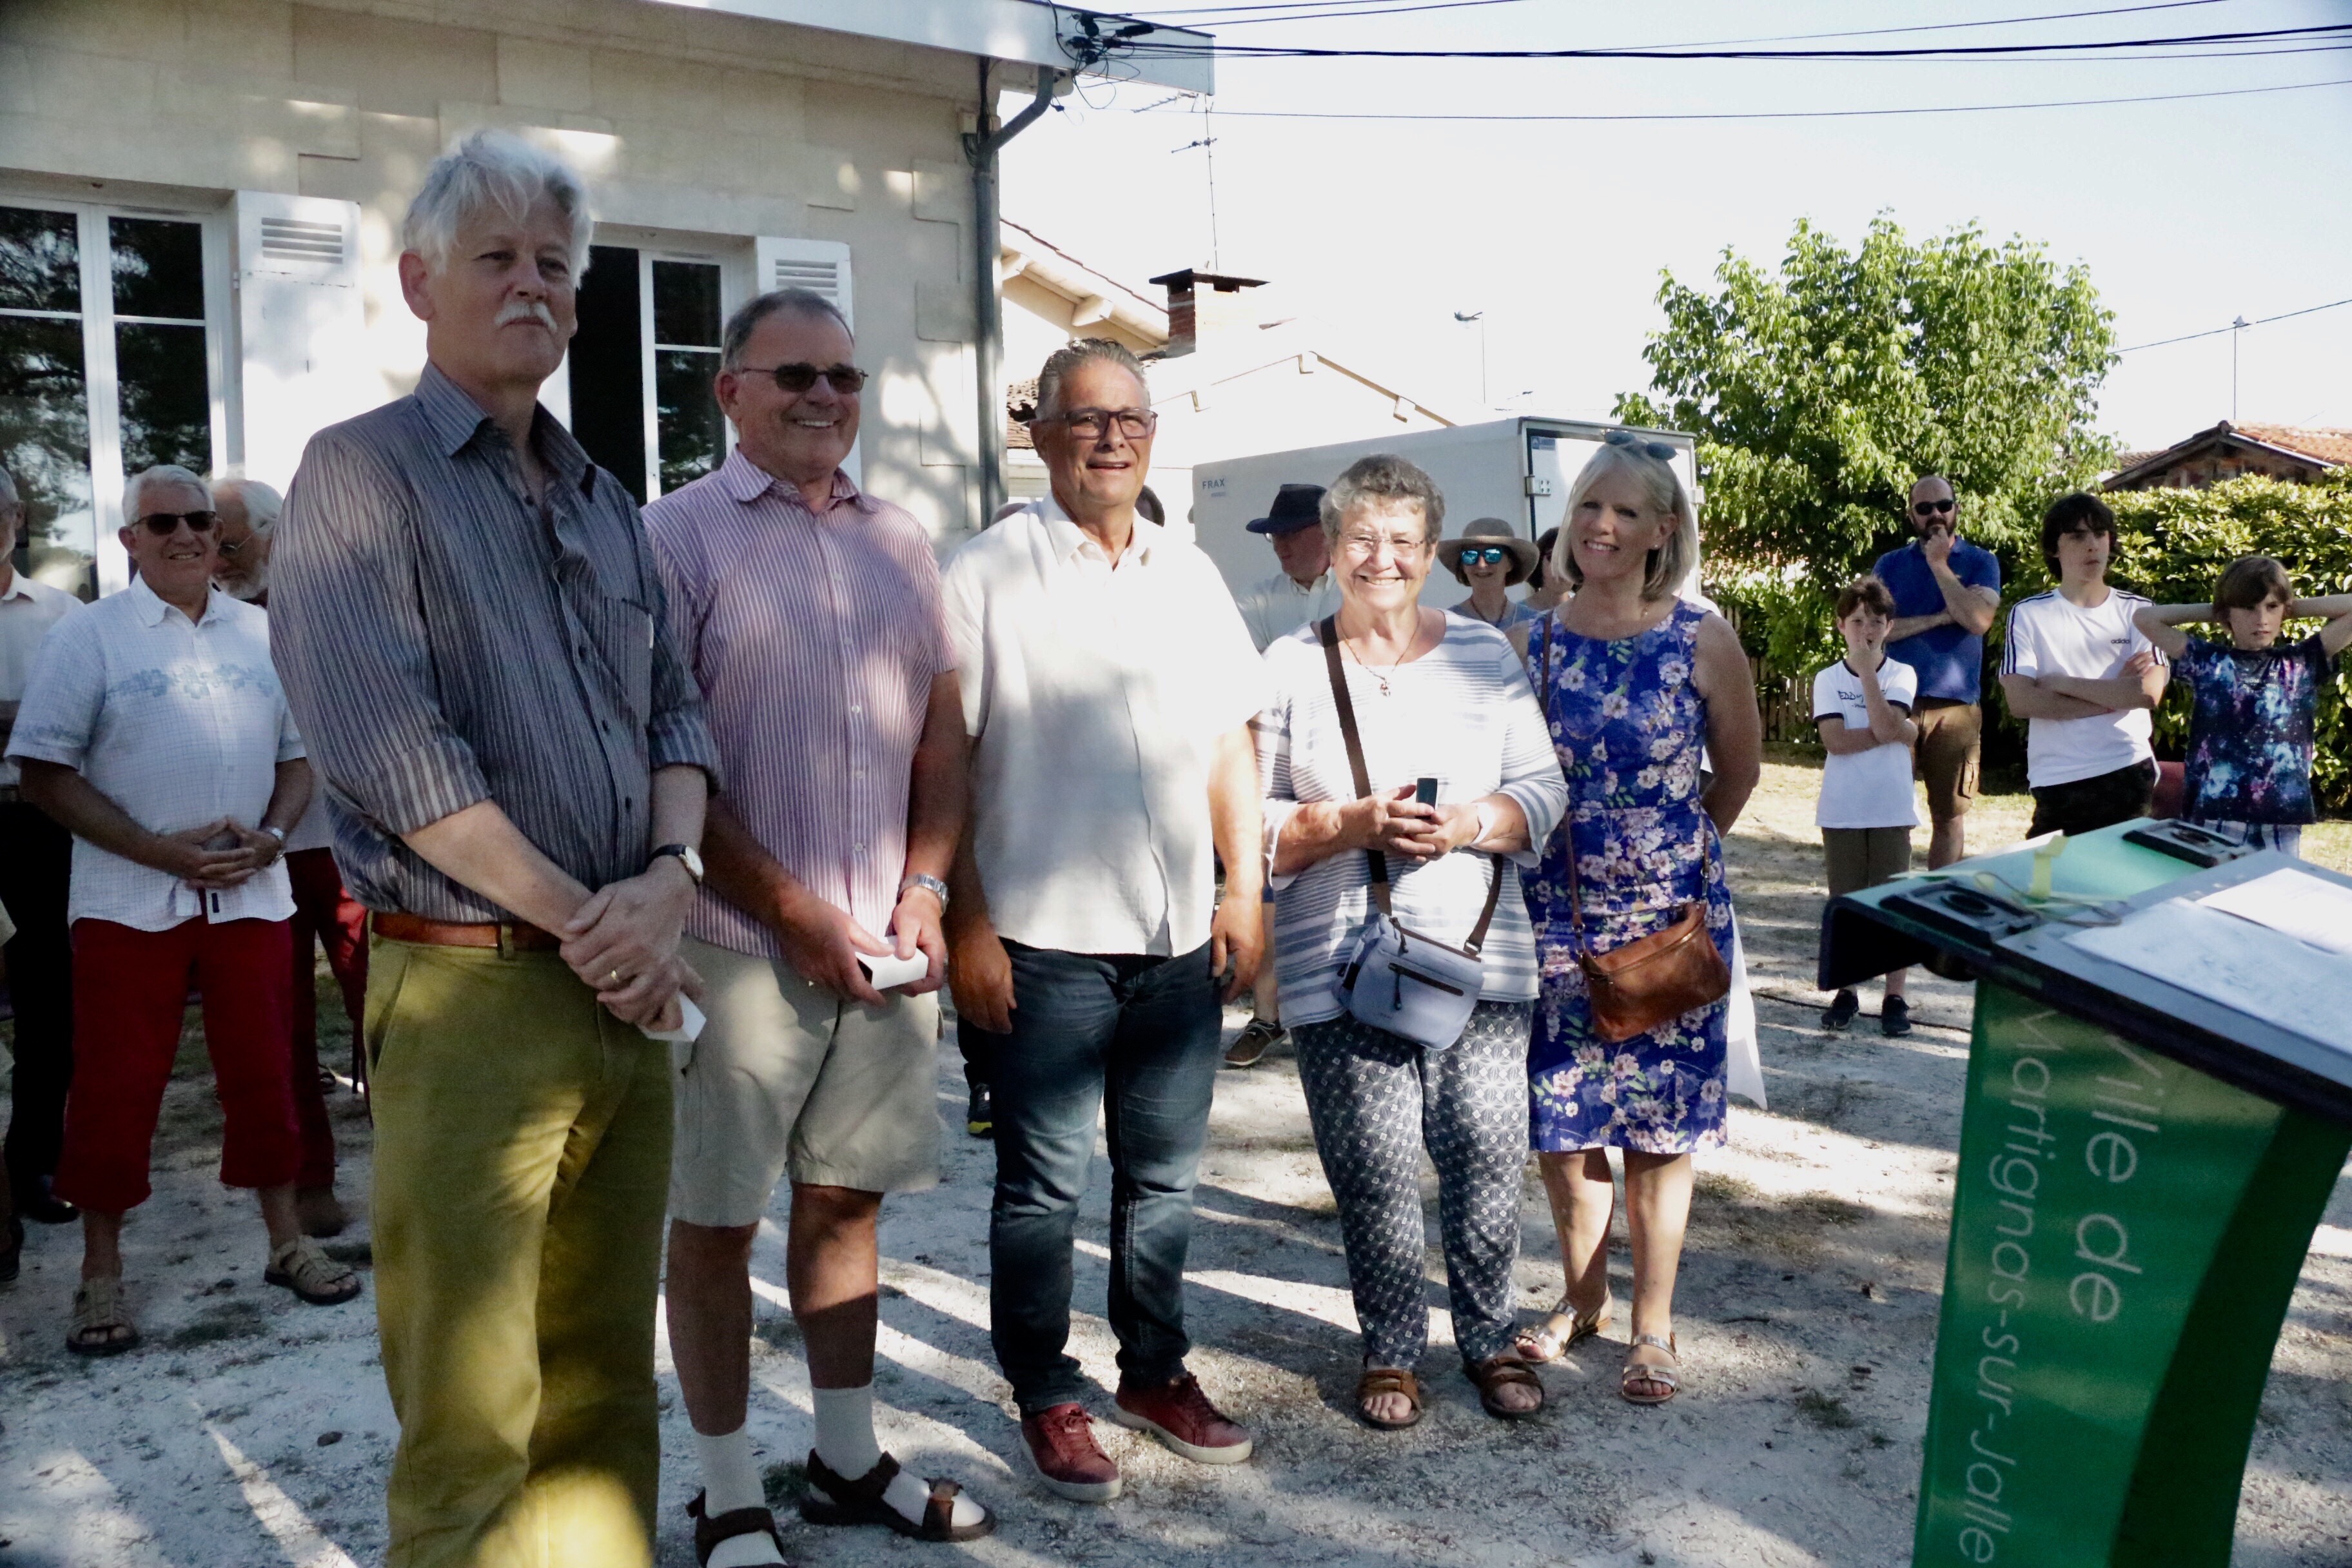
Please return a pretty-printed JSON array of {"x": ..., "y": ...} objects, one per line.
[{"x": 1205, "y": 305}]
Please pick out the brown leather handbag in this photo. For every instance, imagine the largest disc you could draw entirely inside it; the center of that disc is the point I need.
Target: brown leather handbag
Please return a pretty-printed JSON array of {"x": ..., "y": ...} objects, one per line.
[{"x": 1651, "y": 979}]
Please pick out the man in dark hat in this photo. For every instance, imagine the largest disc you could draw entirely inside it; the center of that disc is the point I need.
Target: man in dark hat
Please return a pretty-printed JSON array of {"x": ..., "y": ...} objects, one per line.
[{"x": 1303, "y": 590}]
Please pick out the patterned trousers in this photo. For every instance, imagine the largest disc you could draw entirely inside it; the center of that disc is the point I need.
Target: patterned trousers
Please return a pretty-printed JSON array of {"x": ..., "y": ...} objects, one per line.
[{"x": 1377, "y": 1101}]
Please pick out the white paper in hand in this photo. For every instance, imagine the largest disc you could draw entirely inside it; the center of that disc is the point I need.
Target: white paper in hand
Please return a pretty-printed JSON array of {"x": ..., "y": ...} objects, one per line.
[
  {"x": 680, "y": 1039},
  {"x": 884, "y": 971}
]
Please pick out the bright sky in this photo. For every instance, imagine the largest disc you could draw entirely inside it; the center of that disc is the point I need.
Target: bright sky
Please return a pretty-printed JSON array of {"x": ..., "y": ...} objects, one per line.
[{"x": 2188, "y": 213}]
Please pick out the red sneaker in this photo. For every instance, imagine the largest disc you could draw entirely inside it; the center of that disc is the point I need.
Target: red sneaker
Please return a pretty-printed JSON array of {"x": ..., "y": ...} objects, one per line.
[
  {"x": 1068, "y": 1459},
  {"x": 1181, "y": 1415}
]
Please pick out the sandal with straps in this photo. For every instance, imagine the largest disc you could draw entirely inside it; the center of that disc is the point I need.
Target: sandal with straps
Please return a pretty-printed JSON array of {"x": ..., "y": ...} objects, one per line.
[
  {"x": 709, "y": 1531},
  {"x": 98, "y": 1314},
  {"x": 1649, "y": 1372},
  {"x": 1499, "y": 1371},
  {"x": 1380, "y": 1380},
  {"x": 834, "y": 1499},
  {"x": 1561, "y": 1333}
]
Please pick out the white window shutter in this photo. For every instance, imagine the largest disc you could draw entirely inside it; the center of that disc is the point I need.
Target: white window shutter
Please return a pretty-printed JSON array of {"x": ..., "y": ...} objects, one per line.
[
  {"x": 822, "y": 266},
  {"x": 301, "y": 327}
]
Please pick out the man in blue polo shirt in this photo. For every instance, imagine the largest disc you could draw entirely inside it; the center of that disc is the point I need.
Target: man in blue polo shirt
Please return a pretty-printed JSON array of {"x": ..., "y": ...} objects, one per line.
[{"x": 1946, "y": 592}]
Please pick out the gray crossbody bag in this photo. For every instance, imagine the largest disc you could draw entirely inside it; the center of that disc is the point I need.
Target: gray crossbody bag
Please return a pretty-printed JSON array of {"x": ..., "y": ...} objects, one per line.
[{"x": 1397, "y": 979}]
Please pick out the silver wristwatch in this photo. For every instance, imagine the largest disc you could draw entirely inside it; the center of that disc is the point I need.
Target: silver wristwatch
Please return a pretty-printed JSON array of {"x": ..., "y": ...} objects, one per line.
[{"x": 930, "y": 884}]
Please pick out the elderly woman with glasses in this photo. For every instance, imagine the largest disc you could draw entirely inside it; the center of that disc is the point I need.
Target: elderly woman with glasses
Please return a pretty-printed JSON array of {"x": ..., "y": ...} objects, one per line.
[
  {"x": 1457, "y": 782},
  {"x": 1634, "y": 682}
]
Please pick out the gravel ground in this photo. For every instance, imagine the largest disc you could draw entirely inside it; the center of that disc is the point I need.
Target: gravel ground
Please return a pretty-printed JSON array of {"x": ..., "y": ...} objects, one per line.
[{"x": 250, "y": 1429}]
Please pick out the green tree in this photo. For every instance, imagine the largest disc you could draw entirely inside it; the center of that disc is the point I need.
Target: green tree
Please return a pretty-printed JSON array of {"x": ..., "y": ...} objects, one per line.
[{"x": 1819, "y": 394}]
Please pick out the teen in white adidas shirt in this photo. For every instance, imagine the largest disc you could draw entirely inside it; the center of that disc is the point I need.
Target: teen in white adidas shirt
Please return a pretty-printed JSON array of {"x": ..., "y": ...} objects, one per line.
[
  {"x": 1867, "y": 808},
  {"x": 2084, "y": 678}
]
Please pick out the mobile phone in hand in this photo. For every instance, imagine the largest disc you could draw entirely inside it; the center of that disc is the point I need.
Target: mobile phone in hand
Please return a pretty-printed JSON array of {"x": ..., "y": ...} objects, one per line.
[{"x": 1424, "y": 790}]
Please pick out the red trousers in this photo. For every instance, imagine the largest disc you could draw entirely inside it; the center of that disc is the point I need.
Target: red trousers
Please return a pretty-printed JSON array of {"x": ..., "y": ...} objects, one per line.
[
  {"x": 323, "y": 911},
  {"x": 131, "y": 988}
]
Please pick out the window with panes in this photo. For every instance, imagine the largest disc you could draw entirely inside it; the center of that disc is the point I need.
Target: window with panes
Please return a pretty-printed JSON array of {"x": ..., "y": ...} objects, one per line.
[
  {"x": 108, "y": 359},
  {"x": 642, "y": 363}
]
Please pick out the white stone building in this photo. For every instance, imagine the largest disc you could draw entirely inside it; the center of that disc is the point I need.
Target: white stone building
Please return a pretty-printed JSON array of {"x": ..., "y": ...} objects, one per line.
[{"x": 200, "y": 203}]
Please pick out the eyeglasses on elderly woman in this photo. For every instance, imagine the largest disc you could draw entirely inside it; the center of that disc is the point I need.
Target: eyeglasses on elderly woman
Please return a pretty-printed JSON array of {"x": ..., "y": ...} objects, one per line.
[{"x": 1658, "y": 449}]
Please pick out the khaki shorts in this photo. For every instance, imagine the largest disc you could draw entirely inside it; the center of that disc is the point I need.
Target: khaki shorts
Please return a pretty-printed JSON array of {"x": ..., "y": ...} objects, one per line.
[
  {"x": 1951, "y": 741},
  {"x": 1862, "y": 857},
  {"x": 788, "y": 1076}
]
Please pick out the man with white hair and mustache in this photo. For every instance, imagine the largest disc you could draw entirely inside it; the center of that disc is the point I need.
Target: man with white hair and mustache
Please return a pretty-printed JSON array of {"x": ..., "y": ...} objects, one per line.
[
  {"x": 472, "y": 630},
  {"x": 325, "y": 913}
]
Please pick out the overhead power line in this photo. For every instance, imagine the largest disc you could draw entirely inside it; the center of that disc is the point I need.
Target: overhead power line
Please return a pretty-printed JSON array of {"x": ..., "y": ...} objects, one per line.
[
  {"x": 1783, "y": 113},
  {"x": 2216, "y": 331},
  {"x": 1156, "y": 50},
  {"x": 1308, "y": 11}
]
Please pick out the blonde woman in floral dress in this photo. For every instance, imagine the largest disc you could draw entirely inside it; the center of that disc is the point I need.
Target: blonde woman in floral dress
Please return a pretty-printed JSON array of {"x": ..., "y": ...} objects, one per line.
[{"x": 1635, "y": 683}]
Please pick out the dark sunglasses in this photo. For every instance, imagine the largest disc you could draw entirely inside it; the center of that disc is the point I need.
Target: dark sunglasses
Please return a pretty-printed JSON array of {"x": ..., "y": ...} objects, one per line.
[
  {"x": 163, "y": 524},
  {"x": 1931, "y": 507},
  {"x": 1658, "y": 449},
  {"x": 846, "y": 379},
  {"x": 1492, "y": 555}
]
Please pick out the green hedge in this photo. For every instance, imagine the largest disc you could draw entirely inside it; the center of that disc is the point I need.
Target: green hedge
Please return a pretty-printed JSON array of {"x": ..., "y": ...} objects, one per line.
[{"x": 2171, "y": 546}]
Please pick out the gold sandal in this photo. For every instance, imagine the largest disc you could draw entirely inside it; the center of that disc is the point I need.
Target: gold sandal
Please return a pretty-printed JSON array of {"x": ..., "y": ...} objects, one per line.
[
  {"x": 1636, "y": 1371},
  {"x": 1561, "y": 1333}
]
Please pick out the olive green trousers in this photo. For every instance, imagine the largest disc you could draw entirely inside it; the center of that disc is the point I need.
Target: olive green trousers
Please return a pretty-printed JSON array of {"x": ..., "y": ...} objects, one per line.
[{"x": 522, "y": 1138}]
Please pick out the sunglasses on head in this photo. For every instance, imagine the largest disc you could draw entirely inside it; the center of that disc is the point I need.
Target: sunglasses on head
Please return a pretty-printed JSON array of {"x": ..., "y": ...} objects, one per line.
[
  {"x": 1932, "y": 507},
  {"x": 1491, "y": 555},
  {"x": 163, "y": 524},
  {"x": 798, "y": 378},
  {"x": 1658, "y": 449}
]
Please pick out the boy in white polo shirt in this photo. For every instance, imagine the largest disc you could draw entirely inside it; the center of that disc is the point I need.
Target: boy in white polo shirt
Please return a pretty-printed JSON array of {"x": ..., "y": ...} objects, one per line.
[
  {"x": 2084, "y": 677},
  {"x": 1868, "y": 810}
]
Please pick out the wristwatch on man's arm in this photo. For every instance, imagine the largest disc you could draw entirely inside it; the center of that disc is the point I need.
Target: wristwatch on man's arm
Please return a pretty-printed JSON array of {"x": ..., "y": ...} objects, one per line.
[
  {"x": 687, "y": 856},
  {"x": 927, "y": 883}
]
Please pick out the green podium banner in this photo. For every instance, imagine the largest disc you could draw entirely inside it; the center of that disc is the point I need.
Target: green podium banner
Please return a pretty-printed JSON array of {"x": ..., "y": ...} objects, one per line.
[{"x": 2126, "y": 1233}]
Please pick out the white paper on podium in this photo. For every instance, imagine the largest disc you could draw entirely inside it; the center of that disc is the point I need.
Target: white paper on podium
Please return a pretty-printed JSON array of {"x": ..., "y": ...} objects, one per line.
[
  {"x": 2261, "y": 973},
  {"x": 2297, "y": 903}
]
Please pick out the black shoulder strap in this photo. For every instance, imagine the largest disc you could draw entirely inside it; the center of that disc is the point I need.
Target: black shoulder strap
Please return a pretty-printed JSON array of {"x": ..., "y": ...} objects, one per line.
[{"x": 1327, "y": 631}]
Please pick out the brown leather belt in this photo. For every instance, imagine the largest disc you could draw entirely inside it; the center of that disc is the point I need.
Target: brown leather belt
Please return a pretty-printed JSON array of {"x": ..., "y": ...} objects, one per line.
[{"x": 507, "y": 936}]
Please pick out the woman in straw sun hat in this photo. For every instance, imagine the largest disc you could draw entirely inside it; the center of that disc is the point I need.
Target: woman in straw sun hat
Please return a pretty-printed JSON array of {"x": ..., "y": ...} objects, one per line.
[{"x": 1490, "y": 557}]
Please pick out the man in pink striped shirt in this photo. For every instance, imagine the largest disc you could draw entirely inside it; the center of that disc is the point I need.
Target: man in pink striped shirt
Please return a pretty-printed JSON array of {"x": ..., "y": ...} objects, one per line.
[{"x": 811, "y": 615}]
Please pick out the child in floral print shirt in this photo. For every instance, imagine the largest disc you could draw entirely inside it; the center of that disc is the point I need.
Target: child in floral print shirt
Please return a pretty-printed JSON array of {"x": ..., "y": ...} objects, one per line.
[{"x": 2248, "y": 766}]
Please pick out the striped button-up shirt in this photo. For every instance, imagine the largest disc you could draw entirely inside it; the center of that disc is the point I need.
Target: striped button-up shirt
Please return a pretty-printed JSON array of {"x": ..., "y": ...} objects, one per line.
[
  {"x": 816, "y": 638},
  {"x": 445, "y": 641}
]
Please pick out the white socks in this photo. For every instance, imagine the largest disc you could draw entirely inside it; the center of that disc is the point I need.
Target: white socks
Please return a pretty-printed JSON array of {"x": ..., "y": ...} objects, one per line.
[
  {"x": 844, "y": 1441},
  {"x": 730, "y": 1479}
]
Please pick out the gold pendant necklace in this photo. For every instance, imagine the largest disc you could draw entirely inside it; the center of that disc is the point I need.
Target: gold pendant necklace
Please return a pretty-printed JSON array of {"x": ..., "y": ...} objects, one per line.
[{"x": 1379, "y": 680}]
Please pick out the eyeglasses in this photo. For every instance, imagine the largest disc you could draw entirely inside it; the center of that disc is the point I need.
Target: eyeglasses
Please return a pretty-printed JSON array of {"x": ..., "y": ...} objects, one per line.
[
  {"x": 1492, "y": 555},
  {"x": 846, "y": 379},
  {"x": 1399, "y": 545},
  {"x": 163, "y": 524},
  {"x": 1658, "y": 449},
  {"x": 1932, "y": 507},
  {"x": 1089, "y": 424}
]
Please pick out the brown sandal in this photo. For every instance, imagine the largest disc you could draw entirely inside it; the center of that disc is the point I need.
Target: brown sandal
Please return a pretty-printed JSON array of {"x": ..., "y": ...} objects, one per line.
[
  {"x": 832, "y": 1499},
  {"x": 1561, "y": 1331},
  {"x": 1499, "y": 1371},
  {"x": 709, "y": 1531},
  {"x": 1379, "y": 1380},
  {"x": 99, "y": 1315}
]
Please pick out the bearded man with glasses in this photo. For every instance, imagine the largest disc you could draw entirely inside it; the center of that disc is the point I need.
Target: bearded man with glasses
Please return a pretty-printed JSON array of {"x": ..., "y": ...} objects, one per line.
[
  {"x": 1108, "y": 685},
  {"x": 154, "y": 731},
  {"x": 1946, "y": 592}
]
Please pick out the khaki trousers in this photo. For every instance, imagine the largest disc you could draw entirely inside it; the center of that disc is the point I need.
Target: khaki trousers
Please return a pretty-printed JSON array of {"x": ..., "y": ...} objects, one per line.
[{"x": 522, "y": 1139}]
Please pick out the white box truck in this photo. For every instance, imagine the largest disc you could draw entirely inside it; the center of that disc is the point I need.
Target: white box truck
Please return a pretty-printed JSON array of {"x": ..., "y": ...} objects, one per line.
[{"x": 1517, "y": 469}]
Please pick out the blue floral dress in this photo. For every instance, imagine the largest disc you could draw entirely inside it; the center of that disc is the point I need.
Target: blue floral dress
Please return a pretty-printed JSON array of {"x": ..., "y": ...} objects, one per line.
[{"x": 1629, "y": 724}]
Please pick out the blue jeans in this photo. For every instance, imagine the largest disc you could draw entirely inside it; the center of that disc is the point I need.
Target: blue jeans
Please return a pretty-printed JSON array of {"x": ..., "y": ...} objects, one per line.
[{"x": 1138, "y": 1037}]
